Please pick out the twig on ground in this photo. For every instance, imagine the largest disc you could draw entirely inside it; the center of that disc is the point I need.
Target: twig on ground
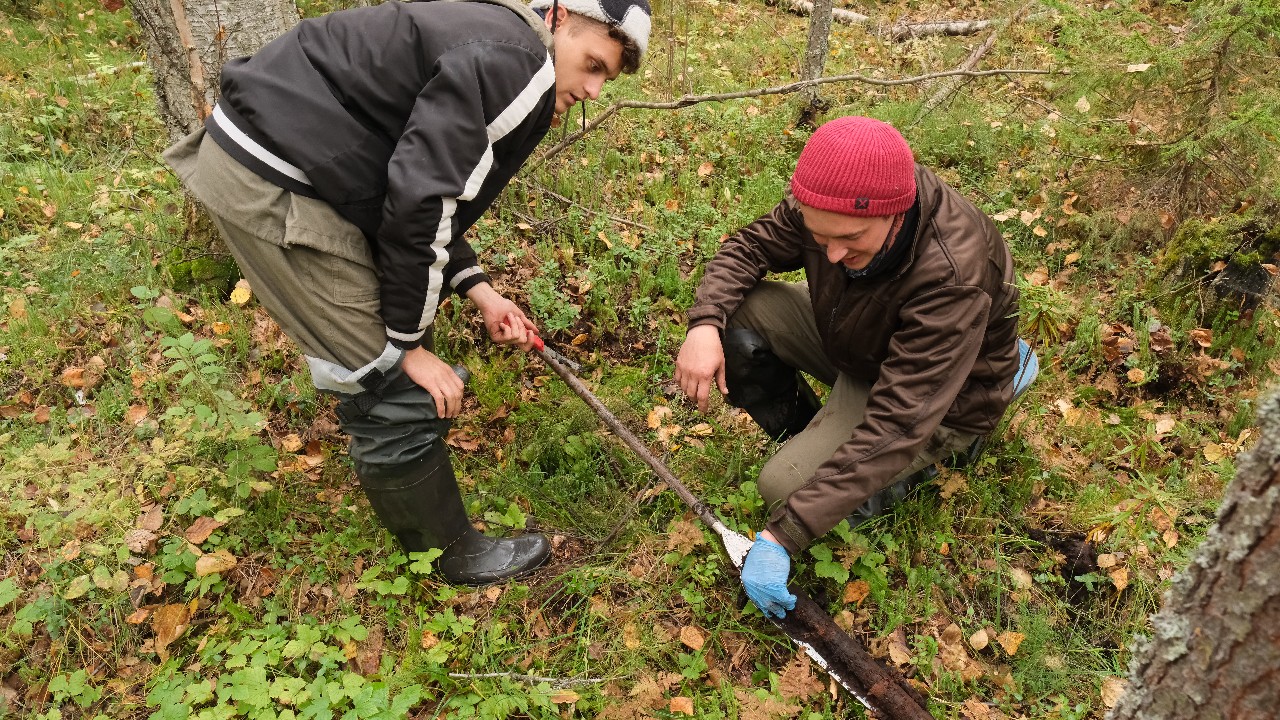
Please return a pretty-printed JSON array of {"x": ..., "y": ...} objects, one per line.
[
  {"x": 899, "y": 30},
  {"x": 690, "y": 100},
  {"x": 580, "y": 206},
  {"x": 555, "y": 682}
]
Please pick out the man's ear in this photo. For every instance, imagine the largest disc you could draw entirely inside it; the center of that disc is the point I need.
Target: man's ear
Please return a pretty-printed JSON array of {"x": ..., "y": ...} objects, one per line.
[{"x": 559, "y": 16}]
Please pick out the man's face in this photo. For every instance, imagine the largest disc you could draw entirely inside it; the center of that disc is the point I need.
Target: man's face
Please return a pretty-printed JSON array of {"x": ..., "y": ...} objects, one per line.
[
  {"x": 850, "y": 241},
  {"x": 586, "y": 58}
]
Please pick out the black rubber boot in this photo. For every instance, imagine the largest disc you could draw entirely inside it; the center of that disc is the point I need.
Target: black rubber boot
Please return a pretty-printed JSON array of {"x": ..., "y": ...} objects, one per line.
[
  {"x": 419, "y": 502},
  {"x": 771, "y": 391},
  {"x": 885, "y": 500}
]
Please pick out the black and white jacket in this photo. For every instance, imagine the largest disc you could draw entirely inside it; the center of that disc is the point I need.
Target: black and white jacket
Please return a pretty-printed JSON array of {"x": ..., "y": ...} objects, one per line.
[{"x": 409, "y": 119}]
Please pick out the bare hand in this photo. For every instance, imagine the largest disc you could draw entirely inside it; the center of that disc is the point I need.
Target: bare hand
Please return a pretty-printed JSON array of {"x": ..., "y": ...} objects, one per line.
[
  {"x": 436, "y": 377},
  {"x": 505, "y": 321},
  {"x": 700, "y": 362}
]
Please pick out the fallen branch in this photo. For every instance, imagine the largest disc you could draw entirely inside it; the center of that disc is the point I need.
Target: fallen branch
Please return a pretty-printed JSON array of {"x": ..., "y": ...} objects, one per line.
[
  {"x": 554, "y": 682},
  {"x": 899, "y": 30},
  {"x": 580, "y": 206},
  {"x": 690, "y": 100}
]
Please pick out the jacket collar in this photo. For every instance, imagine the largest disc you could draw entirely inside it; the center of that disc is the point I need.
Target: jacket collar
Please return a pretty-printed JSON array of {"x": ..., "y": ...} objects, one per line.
[{"x": 530, "y": 17}]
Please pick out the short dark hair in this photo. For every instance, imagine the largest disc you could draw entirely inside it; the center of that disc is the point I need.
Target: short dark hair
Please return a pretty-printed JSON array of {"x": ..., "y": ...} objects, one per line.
[{"x": 630, "y": 50}]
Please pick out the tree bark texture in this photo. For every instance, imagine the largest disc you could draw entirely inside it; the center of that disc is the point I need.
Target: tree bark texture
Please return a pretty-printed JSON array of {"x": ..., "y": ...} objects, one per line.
[
  {"x": 815, "y": 54},
  {"x": 188, "y": 41},
  {"x": 1215, "y": 651}
]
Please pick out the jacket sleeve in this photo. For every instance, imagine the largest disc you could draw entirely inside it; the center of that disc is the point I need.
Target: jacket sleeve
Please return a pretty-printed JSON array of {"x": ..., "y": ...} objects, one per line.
[
  {"x": 478, "y": 93},
  {"x": 929, "y": 360},
  {"x": 770, "y": 244}
]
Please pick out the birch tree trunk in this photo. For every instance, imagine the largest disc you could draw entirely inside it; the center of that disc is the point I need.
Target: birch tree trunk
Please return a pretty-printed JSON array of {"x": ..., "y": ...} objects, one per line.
[
  {"x": 815, "y": 55},
  {"x": 1215, "y": 654},
  {"x": 188, "y": 41}
]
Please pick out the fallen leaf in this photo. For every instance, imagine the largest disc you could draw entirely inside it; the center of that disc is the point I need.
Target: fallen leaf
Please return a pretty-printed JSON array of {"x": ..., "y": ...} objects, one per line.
[
  {"x": 41, "y": 414},
  {"x": 564, "y": 697},
  {"x": 1113, "y": 688},
  {"x": 706, "y": 169},
  {"x": 1107, "y": 560},
  {"x": 1010, "y": 641},
  {"x": 291, "y": 443},
  {"x": 1119, "y": 576},
  {"x": 899, "y": 653},
  {"x": 657, "y": 415},
  {"x": 979, "y": 640},
  {"x": 1136, "y": 376},
  {"x": 77, "y": 587},
  {"x": 18, "y": 308},
  {"x": 201, "y": 529},
  {"x": 1137, "y": 68},
  {"x": 857, "y": 591},
  {"x": 221, "y": 328},
  {"x": 631, "y": 636},
  {"x": 242, "y": 292},
  {"x": 1170, "y": 538},
  {"x": 682, "y": 705},
  {"x": 1021, "y": 578},
  {"x": 168, "y": 622},
  {"x": 429, "y": 640},
  {"x": 73, "y": 377},
  {"x": 1202, "y": 337},
  {"x": 140, "y": 541},
  {"x": 135, "y": 415},
  {"x": 1214, "y": 453},
  {"x": 797, "y": 681},
  {"x": 1083, "y": 105},
  {"x": 751, "y": 707},
  {"x": 139, "y": 616},
  {"x": 369, "y": 655},
  {"x": 215, "y": 562},
  {"x": 951, "y": 482},
  {"x": 692, "y": 637},
  {"x": 151, "y": 518},
  {"x": 683, "y": 536}
]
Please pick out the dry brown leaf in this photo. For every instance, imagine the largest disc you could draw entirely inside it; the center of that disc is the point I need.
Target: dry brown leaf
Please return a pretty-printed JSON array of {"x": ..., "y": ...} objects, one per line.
[
  {"x": 140, "y": 541},
  {"x": 152, "y": 518},
  {"x": 1021, "y": 578},
  {"x": 975, "y": 709},
  {"x": 73, "y": 377},
  {"x": 135, "y": 415},
  {"x": 1119, "y": 576},
  {"x": 1136, "y": 376},
  {"x": 139, "y": 616},
  {"x": 1010, "y": 641},
  {"x": 979, "y": 640},
  {"x": 681, "y": 704},
  {"x": 857, "y": 591},
  {"x": 1113, "y": 688},
  {"x": 564, "y": 697},
  {"x": 683, "y": 536},
  {"x": 201, "y": 529},
  {"x": 369, "y": 655},
  {"x": 751, "y": 707},
  {"x": 951, "y": 482},
  {"x": 797, "y": 681},
  {"x": 429, "y": 640},
  {"x": 631, "y": 636},
  {"x": 692, "y": 637},
  {"x": 18, "y": 308},
  {"x": 705, "y": 169},
  {"x": 1202, "y": 337},
  {"x": 1170, "y": 538},
  {"x": 41, "y": 414},
  {"x": 657, "y": 415},
  {"x": 168, "y": 622},
  {"x": 951, "y": 649},
  {"x": 899, "y": 653},
  {"x": 1107, "y": 560},
  {"x": 291, "y": 443},
  {"x": 215, "y": 562}
]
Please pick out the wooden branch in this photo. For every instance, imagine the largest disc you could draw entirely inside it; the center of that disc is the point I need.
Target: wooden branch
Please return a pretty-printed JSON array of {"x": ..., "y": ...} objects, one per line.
[
  {"x": 906, "y": 31},
  {"x": 951, "y": 85},
  {"x": 555, "y": 682},
  {"x": 899, "y": 30},
  {"x": 690, "y": 100},
  {"x": 583, "y": 208}
]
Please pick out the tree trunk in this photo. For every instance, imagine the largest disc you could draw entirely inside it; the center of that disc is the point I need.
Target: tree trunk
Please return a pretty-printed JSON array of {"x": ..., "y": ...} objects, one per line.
[
  {"x": 189, "y": 40},
  {"x": 1216, "y": 649},
  {"x": 815, "y": 55}
]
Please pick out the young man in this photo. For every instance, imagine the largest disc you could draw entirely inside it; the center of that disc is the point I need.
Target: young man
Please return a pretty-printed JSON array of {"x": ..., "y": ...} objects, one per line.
[
  {"x": 909, "y": 315},
  {"x": 343, "y": 163}
]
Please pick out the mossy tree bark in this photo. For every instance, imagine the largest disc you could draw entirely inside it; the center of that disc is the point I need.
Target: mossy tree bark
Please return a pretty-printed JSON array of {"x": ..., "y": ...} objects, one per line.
[
  {"x": 187, "y": 43},
  {"x": 815, "y": 57},
  {"x": 1215, "y": 653}
]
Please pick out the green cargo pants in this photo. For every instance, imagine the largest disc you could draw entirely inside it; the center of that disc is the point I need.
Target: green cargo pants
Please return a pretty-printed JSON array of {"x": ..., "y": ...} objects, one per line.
[
  {"x": 782, "y": 314},
  {"x": 314, "y": 273}
]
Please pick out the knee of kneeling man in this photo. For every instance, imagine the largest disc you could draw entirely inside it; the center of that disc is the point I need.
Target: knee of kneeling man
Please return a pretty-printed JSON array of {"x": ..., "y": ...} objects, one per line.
[{"x": 775, "y": 486}]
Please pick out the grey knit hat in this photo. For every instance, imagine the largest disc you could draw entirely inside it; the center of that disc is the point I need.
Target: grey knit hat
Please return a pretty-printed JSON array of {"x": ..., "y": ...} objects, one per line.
[{"x": 629, "y": 16}]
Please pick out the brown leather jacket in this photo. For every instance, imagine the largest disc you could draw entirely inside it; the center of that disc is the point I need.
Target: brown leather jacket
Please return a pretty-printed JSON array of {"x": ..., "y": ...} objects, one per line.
[{"x": 935, "y": 337}]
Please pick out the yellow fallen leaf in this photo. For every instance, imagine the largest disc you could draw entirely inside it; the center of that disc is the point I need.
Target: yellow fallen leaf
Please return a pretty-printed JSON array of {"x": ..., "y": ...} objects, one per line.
[
  {"x": 168, "y": 622},
  {"x": 1214, "y": 453},
  {"x": 682, "y": 705},
  {"x": 657, "y": 415},
  {"x": 564, "y": 697},
  {"x": 692, "y": 637},
  {"x": 221, "y": 328},
  {"x": 857, "y": 591},
  {"x": 1010, "y": 641},
  {"x": 291, "y": 443},
  {"x": 1113, "y": 688},
  {"x": 241, "y": 294},
  {"x": 215, "y": 562},
  {"x": 1119, "y": 576},
  {"x": 631, "y": 636}
]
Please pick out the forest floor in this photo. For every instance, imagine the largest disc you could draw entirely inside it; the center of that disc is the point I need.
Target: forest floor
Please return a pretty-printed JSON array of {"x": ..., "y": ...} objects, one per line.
[{"x": 183, "y": 536}]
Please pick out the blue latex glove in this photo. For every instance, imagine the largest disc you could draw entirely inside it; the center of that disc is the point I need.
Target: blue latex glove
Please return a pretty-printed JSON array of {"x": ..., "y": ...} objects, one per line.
[{"x": 764, "y": 575}]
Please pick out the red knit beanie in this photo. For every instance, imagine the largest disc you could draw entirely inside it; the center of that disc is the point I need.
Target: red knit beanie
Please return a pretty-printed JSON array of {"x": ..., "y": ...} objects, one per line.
[{"x": 856, "y": 166}]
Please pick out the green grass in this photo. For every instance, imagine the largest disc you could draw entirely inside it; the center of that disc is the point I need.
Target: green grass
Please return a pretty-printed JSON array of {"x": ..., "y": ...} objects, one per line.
[{"x": 108, "y": 408}]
